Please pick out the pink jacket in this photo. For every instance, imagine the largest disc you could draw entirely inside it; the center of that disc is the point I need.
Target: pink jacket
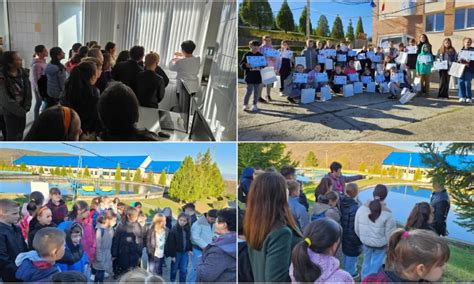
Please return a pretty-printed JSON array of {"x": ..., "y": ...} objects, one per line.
[
  {"x": 88, "y": 239},
  {"x": 37, "y": 69}
]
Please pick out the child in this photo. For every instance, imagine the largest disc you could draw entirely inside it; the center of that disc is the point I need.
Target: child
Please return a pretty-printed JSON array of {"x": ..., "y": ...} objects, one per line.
[
  {"x": 185, "y": 64},
  {"x": 104, "y": 205},
  {"x": 127, "y": 244},
  {"x": 445, "y": 53},
  {"x": 421, "y": 217},
  {"x": 94, "y": 210},
  {"x": 28, "y": 210},
  {"x": 396, "y": 85},
  {"x": 156, "y": 239},
  {"x": 169, "y": 217},
  {"x": 178, "y": 247},
  {"x": 350, "y": 68},
  {"x": 271, "y": 62},
  {"x": 151, "y": 87},
  {"x": 423, "y": 69},
  {"x": 57, "y": 205},
  {"x": 294, "y": 89},
  {"x": 41, "y": 219},
  {"x": 285, "y": 64},
  {"x": 139, "y": 276},
  {"x": 411, "y": 61},
  {"x": 11, "y": 240},
  {"x": 310, "y": 53},
  {"x": 299, "y": 211},
  {"x": 69, "y": 277},
  {"x": 414, "y": 256},
  {"x": 313, "y": 260},
  {"x": 373, "y": 225},
  {"x": 190, "y": 210},
  {"x": 351, "y": 245},
  {"x": 81, "y": 214},
  {"x": 253, "y": 79},
  {"x": 39, "y": 265},
  {"x": 465, "y": 92},
  {"x": 74, "y": 259},
  {"x": 377, "y": 66},
  {"x": 367, "y": 72},
  {"x": 337, "y": 88},
  {"x": 38, "y": 65},
  {"x": 104, "y": 237},
  {"x": 326, "y": 206},
  {"x": 312, "y": 78}
]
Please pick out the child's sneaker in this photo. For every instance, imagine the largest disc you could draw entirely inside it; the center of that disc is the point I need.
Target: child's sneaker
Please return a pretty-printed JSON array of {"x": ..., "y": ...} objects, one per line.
[
  {"x": 262, "y": 100},
  {"x": 462, "y": 100},
  {"x": 291, "y": 100},
  {"x": 468, "y": 100},
  {"x": 282, "y": 94},
  {"x": 245, "y": 108},
  {"x": 254, "y": 108}
]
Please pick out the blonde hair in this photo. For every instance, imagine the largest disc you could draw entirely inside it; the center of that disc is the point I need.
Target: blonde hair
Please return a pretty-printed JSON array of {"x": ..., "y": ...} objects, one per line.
[
  {"x": 93, "y": 60},
  {"x": 151, "y": 58},
  {"x": 48, "y": 239},
  {"x": 140, "y": 276},
  {"x": 159, "y": 222}
]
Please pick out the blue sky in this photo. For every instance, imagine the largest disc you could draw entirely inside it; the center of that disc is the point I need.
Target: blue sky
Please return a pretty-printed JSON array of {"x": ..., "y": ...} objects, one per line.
[
  {"x": 330, "y": 9},
  {"x": 224, "y": 154}
]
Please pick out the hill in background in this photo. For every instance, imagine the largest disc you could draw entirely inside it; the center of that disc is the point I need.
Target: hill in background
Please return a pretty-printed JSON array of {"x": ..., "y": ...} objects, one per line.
[{"x": 8, "y": 154}]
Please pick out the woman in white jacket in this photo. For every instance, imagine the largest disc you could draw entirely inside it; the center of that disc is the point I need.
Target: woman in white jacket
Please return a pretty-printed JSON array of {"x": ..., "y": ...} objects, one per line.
[{"x": 373, "y": 224}]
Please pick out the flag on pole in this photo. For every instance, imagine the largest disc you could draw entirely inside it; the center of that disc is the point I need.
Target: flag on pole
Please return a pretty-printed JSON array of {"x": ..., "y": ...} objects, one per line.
[{"x": 383, "y": 5}]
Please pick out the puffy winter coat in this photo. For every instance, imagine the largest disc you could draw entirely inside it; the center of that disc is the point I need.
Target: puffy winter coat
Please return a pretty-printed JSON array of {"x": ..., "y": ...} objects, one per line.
[
  {"x": 202, "y": 233},
  {"x": 351, "y": 244},
  {"x": 374, "y": 234},
  {"x": 218, "y": 262}
]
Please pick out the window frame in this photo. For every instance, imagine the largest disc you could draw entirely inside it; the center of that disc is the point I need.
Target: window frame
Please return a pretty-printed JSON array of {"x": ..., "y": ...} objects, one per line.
[
  {"x": 466, "y": 16},
  {"x": 435, "y": 18}
]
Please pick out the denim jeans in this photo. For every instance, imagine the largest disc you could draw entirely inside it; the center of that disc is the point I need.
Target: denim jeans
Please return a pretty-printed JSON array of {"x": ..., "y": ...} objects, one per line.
[
  {"x": 373, "y": 260},
  {"x": 349, "y": 264},
  {"x": 256, "y": 89},
  {"x": 464, "y": 85},
  {"x": 155, "y": 265},
  {"x": 99, "y": 276},
  {"x": 181, "y": 263},
  {"x": 194, "y": 262}
]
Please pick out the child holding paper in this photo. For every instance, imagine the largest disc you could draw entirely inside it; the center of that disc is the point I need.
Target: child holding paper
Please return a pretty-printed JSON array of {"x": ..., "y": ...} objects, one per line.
[
  {"x": 337, "y": 72},
  {"x": 411, "y": 59},
  {"x": 398, "y": 81},
  {"x": 445, "y": 53},
  {"x": 252, "y": 76},
  {"x": 286, "y": 57},
  {"x": 363, "y": 58},
  {"x": 271, "y": 62},
  {"x": 366, "y": 76},
  {"x": 464, "y": 92},
  {"x": 293, "y": 87},
  {"x": 424, "y": 63},
  {"x": 312, "y": 78},
  {"x": 350, "y": 69}
]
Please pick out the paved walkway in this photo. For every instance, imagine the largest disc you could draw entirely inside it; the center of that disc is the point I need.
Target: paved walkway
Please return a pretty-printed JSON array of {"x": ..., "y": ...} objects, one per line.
[{"x": 364, "y": 117}]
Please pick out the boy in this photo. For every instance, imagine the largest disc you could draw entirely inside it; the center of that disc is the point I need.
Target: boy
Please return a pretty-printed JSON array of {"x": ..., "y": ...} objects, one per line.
[
  {"x": 74, "y": 259},
  {"x": 253, "y": 79},
  {"x": 38, "y": 265},
  {"x": 337, "y": 88},
  {"x": 151, "y": 86},
  {"x": 11, "y": 239},
  {"x": 57, "y": 205},
  {"x": 190, "y": 210},
  {"x": 299, "y": 211},
  {"x": 351, "y": 245},
  {"x": 294, "y": 88},
  {"x": 186, "y": 65},
  {"x": 396, "y": 84}
]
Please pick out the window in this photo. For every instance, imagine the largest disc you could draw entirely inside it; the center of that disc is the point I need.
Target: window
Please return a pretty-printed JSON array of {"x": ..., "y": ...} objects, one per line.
[
  {"x": 434, "y": 22},
  {"x": 464, "y": 19},
  {"x": 69, "y": 23}
]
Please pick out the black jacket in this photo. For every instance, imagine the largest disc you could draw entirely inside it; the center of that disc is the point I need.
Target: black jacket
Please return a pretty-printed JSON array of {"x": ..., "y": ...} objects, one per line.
[
  {"x": 351, "y": 244},
  {"x": 34, "y": 227},
  {"x": 163, "y": 75},
  {"x": 126, "y": 72},
  {"x": 440, "y": 203},
  {"x": 245, "y": 268},
  {"x": 252, "y": 76},
  {"x": 11, "y": 244},
  {"x": 150, "y": 89},
  {"x": 174, "y": 242},
  {"x": 127, "y": 246}
]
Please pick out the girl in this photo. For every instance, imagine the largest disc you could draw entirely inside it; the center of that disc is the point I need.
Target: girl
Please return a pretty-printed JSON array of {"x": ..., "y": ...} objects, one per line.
[
  {"x": 76, "y": 59},
  {"x": 294, "y": 89},
  {"x": 269, "y": 228},
  {"x": 411, "y": 61},
  {"x": 104, "y": 236},
  {"x": 57, "y": 205},
  {"x": 28, "y": 210},
  {"x": 423, "y": 68},
  {"x": 448, "y": 53},
  {"x": 178, "y": 246},
  {"x": 464, "y": 92},
  {"x": 80, "y": 213},
  {"x": 378, "y": 66},
  {"x": 74, "y": 50},
  {"x": 414, "y": 256},
  {"x": 169, "y": 217},
  {"x": 364, "y": 62},
  {"x": 15, "y": 95},
  {"x": 156, "y": 239},
  {"x": 82, "y": 96},
  {"x": 367, "y": 72},
  {"x": 373, "y": 225},
  {"x": 313, "y": 259},
  {"x": 420, "y": 217},
  {"x": 56, "y": 74},
  {"x": 94, "y": 210},
  {"x": 396, "y": 83},
  {"x": 253, "y": 79},
  {"x": 423, "y": 40},
  {"x": 38, "y": 65},
  {"x": 42, "y": 218},
  {"x": 350, "y": 68},
  {"x": 106, "y": 75},
  {"x": 324, "y": 186},
  {"x": 271, "y": 62},
  {"x": 123, "y": 56},
  {"x": 326, "y": 206},
  {"x": 57, "y": 123},
  {"x": 337, "y": 88},
  {"x": 286, "y": 63},
  {"x": 312, "y": 78}
]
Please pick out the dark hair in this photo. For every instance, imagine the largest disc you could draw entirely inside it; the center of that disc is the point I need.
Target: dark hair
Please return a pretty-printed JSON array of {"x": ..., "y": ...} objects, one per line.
[
  {"x": 8, "y": 59},
  {"x": 320, "y": 235},
  {"x": 335, "y": 166},
  {"x": 92, "y": 43},
  {"x": 39, "y": 49},
  {"x": 137, "y": 204},
  {"x": 419, "y": 216},
  {"x": 31, "y": 207},
  {"x": 108, "y": 215},
  {"x": 183, "y": 215},
  {"x": 228, "y": 216},
  {"x": 254, "y": 43},
  {"x": 375, "y": 206},
  {"x": 54, "y": 53},
  {"x": 212, "y": 213},
  {"x": 78, "y": 89},
  {"x": 68, "y": 277},
  {"x": 54, "y": 190},
  {"x": 287, "y": 170},
  {"x": 240, "y": 227},
  {"x": 107, "y": 64},
  {"x": 79, "y": 205},
  {"x": 75, "y": 48},
  {"x": 324, "y": 186},
  {"x": 123, "y": 56},
  {"x": 109, "y": 46},
  {"x": 95, "y": 203},
  {"x": 49, "y": 126},
  {"x": 188, "y": 46},
  {"x": 189, "y": 205},
  {"x": 118, "y": 110},
  {"x": 137, "y": 52},
  {"x": 37, "y": 197},
  {"x": 83, "y": 50}
]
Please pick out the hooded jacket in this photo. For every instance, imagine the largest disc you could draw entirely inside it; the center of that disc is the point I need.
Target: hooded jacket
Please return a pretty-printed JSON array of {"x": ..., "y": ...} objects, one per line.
[
  {"x": 422, "y": 68},
  {"x": 59, "y": 211},
  {"x": 8, "y": 102},
  {"x": 328, "y": 210},
  {"x": 11, "y": 245},
  {"x": 330, "y": 272},
  {"x": 88, "y": 238},
  {"x": 219, "y": 261},
  {"x": 34, "y": 268},
  {"x": 441, "y": 204},
  {"x": 351, "y": 245},
  {"x": 34, "y": 227},
  {"x": 56, "y": 80},
  {"x": 74, "y": 258},
  {"x": 175, "y": 242},
  {"x": 127, "y": 246},
  {"x": 246, "y": 179},
  {"x": 374, "y": 234},
  {"x": 202, "y": 233}
]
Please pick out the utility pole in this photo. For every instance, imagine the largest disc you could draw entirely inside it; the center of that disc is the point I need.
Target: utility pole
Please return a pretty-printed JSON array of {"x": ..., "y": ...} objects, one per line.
[{"x": 308, "y": 20}]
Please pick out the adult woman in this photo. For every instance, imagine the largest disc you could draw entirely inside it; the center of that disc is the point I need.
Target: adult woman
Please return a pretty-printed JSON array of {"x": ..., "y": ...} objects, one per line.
[
  {"x": 269, "y": 228},
  {"x": 464, "y": 83},
  {"x": 286, "y": 56},
  {"x": 15, "y": 95},
  {"x": 56, "y": 74},
  {"x": 38, "y": 65},
  {"x": 445, "y": 53},
  {"x": 423, "y": 40}
]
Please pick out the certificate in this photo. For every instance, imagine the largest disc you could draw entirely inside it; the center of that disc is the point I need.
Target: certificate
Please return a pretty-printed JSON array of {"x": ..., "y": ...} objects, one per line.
[
  {"x": 270, "y": 52},
  {"x": 321, "y": 59},
  {"x": 300, "y": 60},
  {"x": 467, "y": 55},
  {"x": 366, "y": 79},
  {"x": 256, "y": 61},
  {"x": 300, "y": 78},
  {"x": 390, "y": 65},
  {"x": 397, "y": 78},
  {"x": 322, "y": 77},
  {"x": 440, "y": 65},
  {"x": 329, "y": 64},
  {"x": 377, "y": 58},
  {"x": 370, "y": 54},
  {"x": 330, "y": 52},
  {"x": 402, "y": 58},
  {"x": 361, "y": 56},
  {"x": 287, "y": 54},
  {"x": 341, "y": 58},
  {"x": 379, "y": 78},
  {"x": 352, "y": 53},
  {"x": 340, "y": 80},
  {"x": 354, "y": 77},
  {"x": 425, "y": 59},
  {"x": 411, "y": 49}
]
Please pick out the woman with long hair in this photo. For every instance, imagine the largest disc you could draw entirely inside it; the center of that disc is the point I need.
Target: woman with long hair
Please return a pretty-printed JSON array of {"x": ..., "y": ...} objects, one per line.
[
  {"x": 445, "y": 53},
  {"x": 56, "y": 74}
]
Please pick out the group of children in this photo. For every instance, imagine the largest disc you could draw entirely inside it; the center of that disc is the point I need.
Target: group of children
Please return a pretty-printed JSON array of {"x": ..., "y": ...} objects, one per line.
[
  {"x": 330, "y": 68},
  {"x": 325, "y": 245},
  {"x": 108, "y": 238},
  {"x": 94, "y": 96}
]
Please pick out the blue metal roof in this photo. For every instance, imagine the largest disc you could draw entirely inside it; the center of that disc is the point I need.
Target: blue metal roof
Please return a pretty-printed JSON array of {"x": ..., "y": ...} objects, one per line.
[
  {"x": 170, "y": 167},
  {"x": 109, "y": 162},
  {"x": 403, "y": 159}
]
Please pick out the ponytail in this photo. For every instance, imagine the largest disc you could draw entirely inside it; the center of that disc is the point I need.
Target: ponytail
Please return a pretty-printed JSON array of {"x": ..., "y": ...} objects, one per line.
[
  {"x": 375, "y": 207},
  {"x": 304, "y": 270},
  {"x": 79, "y": 205},
  {"x": 392, "y": 244}
]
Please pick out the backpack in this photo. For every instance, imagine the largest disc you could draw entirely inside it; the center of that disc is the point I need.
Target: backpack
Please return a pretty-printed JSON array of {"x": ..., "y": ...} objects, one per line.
[
  {"x": 321, "y": 215},
  {"x": 43, "y": 86}
]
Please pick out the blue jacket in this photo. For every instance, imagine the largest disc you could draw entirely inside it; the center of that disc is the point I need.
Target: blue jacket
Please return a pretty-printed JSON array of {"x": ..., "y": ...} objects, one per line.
[
  {"x": 246, "y": 179},
  {"x": 74, "y": 259},
  {"x": 56, "y": 80},
  {"x": 351, "y": 244},
  {"x": 218, "y": 262},
  {"x": 299, "y": 212},
  {"x": 34, "y": 268}
]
